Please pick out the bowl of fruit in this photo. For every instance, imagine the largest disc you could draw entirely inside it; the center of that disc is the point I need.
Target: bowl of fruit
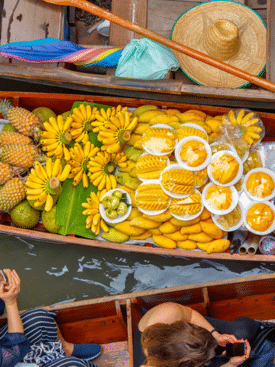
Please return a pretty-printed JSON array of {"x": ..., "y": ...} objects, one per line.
[{"x": 115, "y": 206}]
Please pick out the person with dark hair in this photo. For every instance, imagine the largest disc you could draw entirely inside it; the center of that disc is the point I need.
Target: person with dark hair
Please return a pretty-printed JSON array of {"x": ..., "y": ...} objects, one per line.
[
  {"x": 173, "y": 335},
  {"x": 34, "y": 337}
]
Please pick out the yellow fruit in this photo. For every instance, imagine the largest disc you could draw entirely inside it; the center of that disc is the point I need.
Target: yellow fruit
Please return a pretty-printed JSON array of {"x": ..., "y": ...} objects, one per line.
[
  {"x": 134, "y": 213},
  {"x": 218, "y": 246},
  {"x": 211, "y": 230},
  {"x": 163, "y": 119},
  {"x": 205, "y": 214},
  {"x": 159, "y": 139},
  {"x": 260, "y": 184},
  {"x": 147, "y": 115},
  {"x": 172, "y": 112},
  {"x": 224, "y": 168},
  {"x": 260, "y": 217},
  {"x": 195, "y": 228},
  {"x": 176, "y": 236},
  {"x": 141, "y": 109},
  {"x": 214, "y": 124},
  {"x": 184, "y": 223},
  {"x": 145, "y": 223},
  {"x": 231, "y": 219},
  {"x": 187, "y": 245},
  {"x": 163, "y": 217},
  {"x": 184, "y": 131},
  {"x": 193, "y": 153},
  {"x": 141, "y": 128},
  {"x": 126, "y": 228},
  {"x": 143, "y": 236},
  {"x": 191, "y": 115},
  {"x": 167, "y": 227},
  {"x": 178, "y": 180},
  {"x": 151, "y": 197},
  {"x": 149, "y": 166},
  {"x": 200, "y": 237},
  {"x": 219, "y": 197},
  {"x": 187, "y": 206},
  {"x": 155, "y": 231},
  {"x": 164, "y": 241},
  {"x": 115, "y": 236}
]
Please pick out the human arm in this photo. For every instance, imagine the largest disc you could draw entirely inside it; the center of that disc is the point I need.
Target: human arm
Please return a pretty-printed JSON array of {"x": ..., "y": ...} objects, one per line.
[
  {"x": 236, "y": 361},
  {"x": 9, "y": 296},
  {"x": 222, "y": 339}
]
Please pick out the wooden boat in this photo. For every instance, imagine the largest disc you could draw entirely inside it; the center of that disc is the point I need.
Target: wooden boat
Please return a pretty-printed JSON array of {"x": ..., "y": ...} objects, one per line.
[
  {"x": 30, "y": 20},
  {"x": 62, "y": 102},
  {"x": 112, "y": 321}
]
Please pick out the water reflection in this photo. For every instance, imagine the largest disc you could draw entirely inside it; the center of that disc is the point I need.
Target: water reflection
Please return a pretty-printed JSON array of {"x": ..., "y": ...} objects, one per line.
[{"x": 54, "y": 273}]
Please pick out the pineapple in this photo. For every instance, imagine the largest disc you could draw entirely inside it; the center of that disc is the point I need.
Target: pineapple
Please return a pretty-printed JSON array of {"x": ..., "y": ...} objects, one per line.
[
  {"x": 12, "y": 194},
  {"x": 7, "y": 172},
  {"x": 10, "y": 137},
  {"x": 26, "y": 122},
  {"x": 20, "y": 155}
]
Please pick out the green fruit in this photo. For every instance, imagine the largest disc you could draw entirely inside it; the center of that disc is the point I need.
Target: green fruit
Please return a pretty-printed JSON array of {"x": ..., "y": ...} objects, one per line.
[
  {"x": 44, "y": 113},
  {"x": 105, "y": 201},
  {"x": 111, "y": 214},
  {"x": 48, "y": 219},
  {"x": 139, "y": 110},
  {"x": 117, "y": 193},
  {"x": 24, "y": 216},
  {"x": 115, "y": 236},
  {"x": 65, "y": 115},
  {"x": 114, "y": 202},
  {"x": 122, "y": 209},
  {"x": 9, "y": 127},
  {"x": 42, "y": 207}
]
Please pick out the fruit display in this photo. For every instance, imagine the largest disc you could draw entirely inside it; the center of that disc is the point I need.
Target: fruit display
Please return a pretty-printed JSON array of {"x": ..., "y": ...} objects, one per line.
[
  {"x": 260, "y": 217},
  {"x": 193, "y": 152},
  {"x": 115, "y": 205},
  {"x": 178, "y": 180},
  {"x": 158, "y": 139},
  {"x": 219, "y": 197},
  {"x": 260, "y": 184},
  {"x": 224, "y": 168},
  {"x": 121, "y": 174}
]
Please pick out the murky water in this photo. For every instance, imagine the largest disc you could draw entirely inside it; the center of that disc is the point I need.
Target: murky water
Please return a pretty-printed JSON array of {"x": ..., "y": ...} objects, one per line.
[{"x": 53, "y": 273}]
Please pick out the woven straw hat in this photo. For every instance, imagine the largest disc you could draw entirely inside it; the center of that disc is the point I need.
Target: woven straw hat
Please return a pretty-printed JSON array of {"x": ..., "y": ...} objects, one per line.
[{"x": 227, "y": 31}]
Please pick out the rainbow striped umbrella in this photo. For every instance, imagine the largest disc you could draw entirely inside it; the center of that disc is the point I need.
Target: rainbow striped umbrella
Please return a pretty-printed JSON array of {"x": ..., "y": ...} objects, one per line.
[{"x": 55, "y": 50}]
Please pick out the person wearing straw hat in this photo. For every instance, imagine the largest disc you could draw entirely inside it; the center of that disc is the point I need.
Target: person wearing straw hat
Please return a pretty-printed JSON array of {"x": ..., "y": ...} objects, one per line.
[{"x": 225, "y": 30}]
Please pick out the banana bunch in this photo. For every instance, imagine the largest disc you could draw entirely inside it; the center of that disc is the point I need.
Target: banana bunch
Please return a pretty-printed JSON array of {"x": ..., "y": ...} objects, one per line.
[
  {"x": 79, "y": 162},
  {"x": 102, "y": 168},
  {"x": 114, "y": 129},
  {"x": 94, "y": 220},
  {"x": 45, "y": 182},
  {"x": 56, "y": 136},
  {"x": 82, "y": 117},
  {"x": 245, "y": 125}
]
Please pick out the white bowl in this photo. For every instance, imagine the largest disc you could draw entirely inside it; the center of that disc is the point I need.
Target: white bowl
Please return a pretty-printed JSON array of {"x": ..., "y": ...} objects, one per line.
[
  {"x": 154, "y": 152},
  {"x": 239, "y": 173},
  {"x": 188, "y": 217},
  {"x": 269, "y": 230},
  {"x": 151, "y": 212},
  {"x": 171, "y": 193},
  {"x": 260, "y": 169},
  {"x": 215, "y": 218},
  {"x": 235, "y": 199},
  {"x": 186, "y": 166},
  {"x": 119, "y": 218}
]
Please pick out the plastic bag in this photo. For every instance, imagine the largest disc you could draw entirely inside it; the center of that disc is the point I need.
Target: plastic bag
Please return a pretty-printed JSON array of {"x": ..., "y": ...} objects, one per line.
[{"x": 146, "y": 59}]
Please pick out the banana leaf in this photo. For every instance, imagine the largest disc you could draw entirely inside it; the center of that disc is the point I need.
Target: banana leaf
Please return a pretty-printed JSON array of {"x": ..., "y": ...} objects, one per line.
[{"x": 69, "y": 210}]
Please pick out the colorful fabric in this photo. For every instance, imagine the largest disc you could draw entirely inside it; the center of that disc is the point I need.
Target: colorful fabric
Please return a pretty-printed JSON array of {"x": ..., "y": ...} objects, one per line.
[{"x": 55, "y": 50}]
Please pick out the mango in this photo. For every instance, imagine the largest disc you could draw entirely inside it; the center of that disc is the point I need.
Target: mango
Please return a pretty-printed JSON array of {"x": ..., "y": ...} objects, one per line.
[
  {"x": 143, "y": 236},
  {"x": 163, "y": 241},
  {"x": 163, "y": 217},
  {"x": 115, "y": 236},
  {"x": 195, "y": 228},
  {"x": 146, "y": 116},
  {"x": 126, "y": 228},
  {"x": 145, "y": 223},
  {"x": 139, "y": 110},
  {"x": 200, "y": 237},
  {"x": 218, "y": 246},
  {"x": 187, "y": 245},
  {"x": 168, "y": 228},
  {"x": 177, "y": 236},
  {"x": 211, "y": 230}
]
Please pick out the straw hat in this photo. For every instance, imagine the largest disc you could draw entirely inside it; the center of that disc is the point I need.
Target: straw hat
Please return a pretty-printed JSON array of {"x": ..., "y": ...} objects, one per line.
[{"x": 225, "y": 30}]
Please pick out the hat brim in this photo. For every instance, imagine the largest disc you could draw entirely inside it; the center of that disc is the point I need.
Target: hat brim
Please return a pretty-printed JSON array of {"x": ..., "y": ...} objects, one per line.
[{"x": 189, "y": 30}]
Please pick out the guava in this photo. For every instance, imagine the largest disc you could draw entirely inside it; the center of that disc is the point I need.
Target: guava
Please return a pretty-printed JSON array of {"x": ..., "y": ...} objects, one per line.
[
  {"x": 24, "y": 216},
  {"x": 48, "y": 219}
]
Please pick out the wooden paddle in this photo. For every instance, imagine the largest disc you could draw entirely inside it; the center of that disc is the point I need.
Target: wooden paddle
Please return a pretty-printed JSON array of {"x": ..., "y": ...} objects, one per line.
[{"x": 96, "y": 10}]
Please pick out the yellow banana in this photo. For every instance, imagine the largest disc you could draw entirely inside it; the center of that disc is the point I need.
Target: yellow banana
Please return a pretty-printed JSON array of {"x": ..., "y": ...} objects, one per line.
[
  {"x": 104, "y": 226},
  {"x": 50, "y": 128},
  {"x": 83, "y": 111},
  {"x": 49, "y": 167},
  {"x": 60, "y": 122},
  {"x": 247, "y": 117},
  {"x": 240, "y": 116},
  {"x": 49, "y": 203}
]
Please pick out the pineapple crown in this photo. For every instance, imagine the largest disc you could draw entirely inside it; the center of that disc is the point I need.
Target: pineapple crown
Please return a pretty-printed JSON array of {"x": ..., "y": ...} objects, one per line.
[{"x": 5, "y": 105}]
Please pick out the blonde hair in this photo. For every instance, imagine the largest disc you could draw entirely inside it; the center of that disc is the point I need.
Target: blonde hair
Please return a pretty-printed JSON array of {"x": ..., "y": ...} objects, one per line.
[{"x": 180, "y": 344}]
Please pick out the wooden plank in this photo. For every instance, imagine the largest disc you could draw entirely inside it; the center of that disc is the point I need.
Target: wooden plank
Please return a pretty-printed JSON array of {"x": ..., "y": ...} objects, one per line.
[
  {"x": 256, "y": 307},
  {"x": 132, "y": 10},
  {"x": 270, "y": 64},
  {"x": 27, "y": 20},
  {"x": 130, "y": 331},
  {"x": 114, "y": 355},
  {"x": 101, "y": 330}
]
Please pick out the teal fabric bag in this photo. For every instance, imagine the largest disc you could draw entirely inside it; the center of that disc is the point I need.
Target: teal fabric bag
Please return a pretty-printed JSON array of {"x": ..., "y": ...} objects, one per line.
[{"x": 146, "y": 59}]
